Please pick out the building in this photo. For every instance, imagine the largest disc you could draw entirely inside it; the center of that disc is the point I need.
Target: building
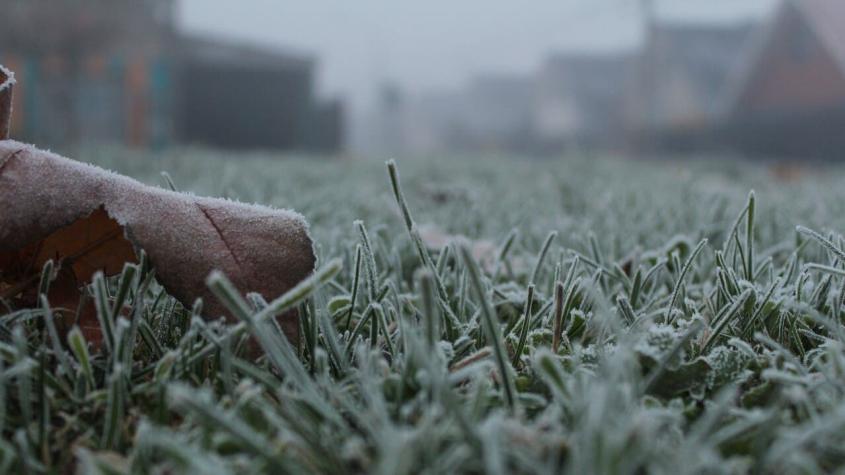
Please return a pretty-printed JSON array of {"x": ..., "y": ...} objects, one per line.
[
  {"x": 789, "y": 100},
  {"x": 241, "y": 96},
  {"x": 578, "y": 101},
  {"x": 676, "y": 95},
  {"x": 119, "y": 71},
  {"x": 88, "y": 74}
]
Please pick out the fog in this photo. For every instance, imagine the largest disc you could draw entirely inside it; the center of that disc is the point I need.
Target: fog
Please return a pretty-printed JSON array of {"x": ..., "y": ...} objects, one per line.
[
  {"x": 440, "y": 43},
  {"x": 375, "y": 78}
]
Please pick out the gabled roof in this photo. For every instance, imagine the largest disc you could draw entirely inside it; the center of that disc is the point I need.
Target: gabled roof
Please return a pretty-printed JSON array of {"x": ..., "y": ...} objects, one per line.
[{"x": 827, "y": 18}]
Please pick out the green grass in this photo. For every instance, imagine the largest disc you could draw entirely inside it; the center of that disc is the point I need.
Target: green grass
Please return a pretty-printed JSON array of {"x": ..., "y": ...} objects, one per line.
[{"x": 700, "y": 331}]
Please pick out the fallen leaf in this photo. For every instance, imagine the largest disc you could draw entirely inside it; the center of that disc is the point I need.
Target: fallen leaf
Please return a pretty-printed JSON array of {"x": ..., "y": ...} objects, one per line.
[
  {"x": 87, "y": 219},
  {"x": 7, "y": 80}
]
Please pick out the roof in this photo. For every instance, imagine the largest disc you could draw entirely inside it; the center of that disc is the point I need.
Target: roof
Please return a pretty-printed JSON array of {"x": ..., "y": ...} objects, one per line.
[
  {"x": 827, "y": 17},
  {"x": 239, "y": 54}
]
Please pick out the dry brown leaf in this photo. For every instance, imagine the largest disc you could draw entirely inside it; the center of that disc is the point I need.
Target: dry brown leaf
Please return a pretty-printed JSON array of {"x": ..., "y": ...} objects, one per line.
[
  {"x": 88, "y": 219},
  {"x": 7, "y": 80}
]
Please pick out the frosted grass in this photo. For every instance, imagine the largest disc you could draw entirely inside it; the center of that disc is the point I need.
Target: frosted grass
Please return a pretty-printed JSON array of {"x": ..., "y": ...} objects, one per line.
[{"x": 636, "y": 318}]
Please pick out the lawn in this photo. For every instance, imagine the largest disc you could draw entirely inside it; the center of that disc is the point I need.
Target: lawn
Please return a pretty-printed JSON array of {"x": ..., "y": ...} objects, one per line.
[{"x": 470, "y": 315}]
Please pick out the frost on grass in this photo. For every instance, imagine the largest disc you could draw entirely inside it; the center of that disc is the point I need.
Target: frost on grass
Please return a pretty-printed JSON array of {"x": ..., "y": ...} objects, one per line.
[
  {"x": 260, "y": 249},
  {"x": 728, "y": 366},
  {"x": 657, "y": 342},
  {"x": 729, "y": 359}
]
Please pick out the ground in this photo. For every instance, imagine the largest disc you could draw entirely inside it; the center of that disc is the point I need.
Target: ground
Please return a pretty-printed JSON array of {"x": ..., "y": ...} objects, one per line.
[{"x": 699, "y": 330}]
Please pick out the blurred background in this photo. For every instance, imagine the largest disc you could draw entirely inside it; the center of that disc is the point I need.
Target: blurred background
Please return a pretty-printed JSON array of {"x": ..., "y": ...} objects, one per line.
[{"x": 754, "y": 78}]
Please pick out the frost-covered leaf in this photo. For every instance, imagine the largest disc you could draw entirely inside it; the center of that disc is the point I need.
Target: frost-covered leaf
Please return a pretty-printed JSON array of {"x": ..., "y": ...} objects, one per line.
[{"x": 87, "y": 219}]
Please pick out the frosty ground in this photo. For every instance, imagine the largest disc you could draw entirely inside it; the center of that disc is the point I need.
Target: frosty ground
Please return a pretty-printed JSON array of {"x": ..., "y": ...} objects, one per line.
[{"x": 472, "y": 315}]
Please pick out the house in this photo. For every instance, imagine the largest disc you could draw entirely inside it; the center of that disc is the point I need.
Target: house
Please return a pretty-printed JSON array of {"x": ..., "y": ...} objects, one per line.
[
  {"x": 789, "y": 100},
  {"x": 119, "y": 71},
  {"x": 578, "y": 101},
  {"x": 677, "y": 90}
]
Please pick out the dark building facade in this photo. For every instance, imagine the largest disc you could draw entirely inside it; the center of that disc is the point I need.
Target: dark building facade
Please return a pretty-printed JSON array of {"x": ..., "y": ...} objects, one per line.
[{"x": 235, "y": 96}]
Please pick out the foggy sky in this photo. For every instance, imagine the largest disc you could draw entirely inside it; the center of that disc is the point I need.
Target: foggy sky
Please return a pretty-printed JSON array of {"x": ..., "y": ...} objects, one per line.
[{"x": 438, "y": 43}]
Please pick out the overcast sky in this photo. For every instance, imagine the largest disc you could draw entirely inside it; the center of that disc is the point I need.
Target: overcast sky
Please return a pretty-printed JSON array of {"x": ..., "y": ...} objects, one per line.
[{"x": 425, "y": 44}]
